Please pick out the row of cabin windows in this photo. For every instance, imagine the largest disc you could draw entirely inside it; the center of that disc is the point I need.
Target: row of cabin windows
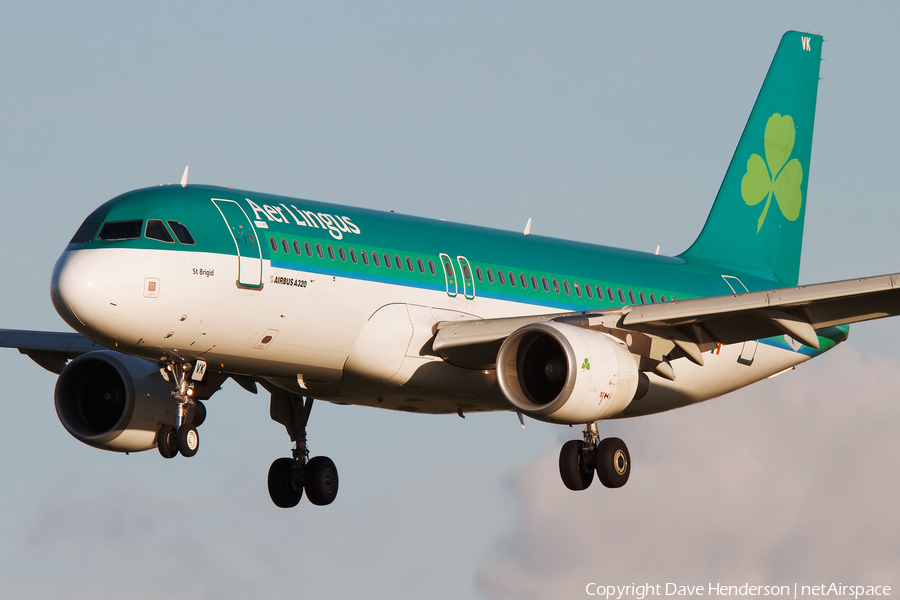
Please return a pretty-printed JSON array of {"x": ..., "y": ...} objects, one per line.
[
  {"x": 500, "y": 277},
  {"x": 588, "y": 289},
  {"x": 355, "y": 258},
  {"x": 114, "y": 231}
]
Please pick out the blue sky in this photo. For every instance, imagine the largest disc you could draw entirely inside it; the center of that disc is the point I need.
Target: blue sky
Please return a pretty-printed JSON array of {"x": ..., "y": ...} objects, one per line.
[{"x": 603, "y": 122}]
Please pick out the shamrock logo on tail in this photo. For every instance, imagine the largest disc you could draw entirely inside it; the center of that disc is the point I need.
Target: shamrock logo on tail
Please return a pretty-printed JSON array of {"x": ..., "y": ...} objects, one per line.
[{"x": 772, "y": 176}]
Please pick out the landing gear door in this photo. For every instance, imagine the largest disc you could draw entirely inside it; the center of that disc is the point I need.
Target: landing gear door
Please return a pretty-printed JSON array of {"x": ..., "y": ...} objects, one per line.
[
  {"x": 468, "y": 281},
  {"x": 449, "y": 275},
  {"x": 748, "y": 351},
  {"x": 246, "y": 242}
]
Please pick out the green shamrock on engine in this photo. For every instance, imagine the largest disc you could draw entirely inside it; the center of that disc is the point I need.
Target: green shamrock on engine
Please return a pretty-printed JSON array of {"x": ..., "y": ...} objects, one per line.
[
  {"x": 772, "y": 176},
  {"x": 586, "y": 366}
]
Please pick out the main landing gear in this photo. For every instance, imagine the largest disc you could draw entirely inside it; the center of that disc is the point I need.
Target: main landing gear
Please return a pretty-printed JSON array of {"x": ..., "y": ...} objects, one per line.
[
  {"x": 182, "y": 437},
  {"x": 578, "y": 460},
  {"x": 289, "y": 477}
]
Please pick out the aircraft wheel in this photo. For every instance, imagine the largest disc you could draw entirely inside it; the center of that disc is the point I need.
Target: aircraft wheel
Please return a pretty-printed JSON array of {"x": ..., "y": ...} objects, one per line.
[
  {"x": 167, "y": 441},
  {"x": 188, "y": 440},
  {"x": 613, "y": 462},
  {"x": 572, "y": 467},
  {"x": 321, "y": 480},
  {"x": 282, "y": 488},
  {"x": 199, "y": 414}
]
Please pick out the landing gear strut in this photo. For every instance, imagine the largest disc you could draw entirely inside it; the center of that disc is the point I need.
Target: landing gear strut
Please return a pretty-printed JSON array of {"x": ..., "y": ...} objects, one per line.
[
  {"x": 579, "y": 459},
  {"x": 182, "y": 437},
  {"x": 289, "y": 477}
]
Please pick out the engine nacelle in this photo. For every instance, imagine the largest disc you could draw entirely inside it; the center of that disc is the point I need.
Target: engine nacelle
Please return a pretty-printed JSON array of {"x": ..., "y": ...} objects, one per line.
[
  {"x": 566, "y": 374},
  {"x": 114, "y": 401}
]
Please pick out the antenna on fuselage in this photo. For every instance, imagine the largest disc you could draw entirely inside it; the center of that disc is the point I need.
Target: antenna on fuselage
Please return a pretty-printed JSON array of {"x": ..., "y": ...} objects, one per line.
[
  {"x": 528, "y": 226},
  {"x": 184, "y": 178}
]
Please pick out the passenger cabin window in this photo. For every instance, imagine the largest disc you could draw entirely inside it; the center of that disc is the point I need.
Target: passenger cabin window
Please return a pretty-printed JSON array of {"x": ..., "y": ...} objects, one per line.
[
  {"x": 284, "y": 246},
  {"x": 308, "y": 249},
  {"x": 609, "y": 294},
  {"x": 599, "y": 293},
  {"x": 342, "y": 254},
  {"x": 398, "y": 262},
  {"x": 121, "y": 230},
  {"x": 375, "y": 259},
  {"x": 409, "y": 265},
  {"x": 490, "y": 276},
  {"x": 631, "y": 297},
  {"x": 274, "y": 244},
  {"x": 353, "y": 255},
  {"x": 577, "y": 288},
  {"x": 555, "y": 285},
  {"x": 523, "y": 280},
  {"x": 319, "y": 250},
  {"x": 330, "y": 252},
  {"x": 566, "y": 287},
  {"x": 297, "y": 248},
  {"x": 643, "y": 299},
  {"x": 478, "y": 274},
  {"x": 534, "y": 282},
  {"x": 365, "y": 257},
  {"x": 387, "y": 260},
  {"x": 86, "y": 233},
  {"x": 621, "y": 296},
  {"x": 652, "y": 299},
  {"x": 545, "y": 284},
  {"x": 500, "y": 277},
  {"x": 589, "y": 290},
  {"x": 421, "y": 265},
  {"x": 157, "y": 231},
  {"x": 431, "y": 267},
  {"x": 181, "y": 232},
  {"x": 512, "y": 279}
]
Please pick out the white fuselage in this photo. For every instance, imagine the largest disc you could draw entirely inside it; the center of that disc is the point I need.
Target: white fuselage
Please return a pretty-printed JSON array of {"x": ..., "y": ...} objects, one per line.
[{"x": 338, "y": 338}]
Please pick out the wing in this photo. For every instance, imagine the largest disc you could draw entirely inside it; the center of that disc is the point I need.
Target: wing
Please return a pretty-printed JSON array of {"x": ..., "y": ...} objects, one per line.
[
  {"x": 689, "y": 327},
  {"x": 50, "y": 350}
]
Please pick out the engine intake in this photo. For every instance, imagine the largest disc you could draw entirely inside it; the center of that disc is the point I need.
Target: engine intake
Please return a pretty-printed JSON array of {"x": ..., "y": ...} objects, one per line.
[
  {"x": 113, "y": 401},
  {"x": 566, "y": 374}
]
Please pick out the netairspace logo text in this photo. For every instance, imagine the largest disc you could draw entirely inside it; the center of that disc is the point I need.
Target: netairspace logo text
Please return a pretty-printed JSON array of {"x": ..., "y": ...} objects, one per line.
[{"x": 640, "y": 592}]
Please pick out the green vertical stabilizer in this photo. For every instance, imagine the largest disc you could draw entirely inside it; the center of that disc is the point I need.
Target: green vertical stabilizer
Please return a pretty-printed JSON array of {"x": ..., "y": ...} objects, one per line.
[{"x": 756, "y": 223}]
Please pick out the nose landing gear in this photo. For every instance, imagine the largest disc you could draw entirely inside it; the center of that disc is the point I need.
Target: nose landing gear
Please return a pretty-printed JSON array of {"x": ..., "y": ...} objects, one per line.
[
  {"x": 183, "y": 436},
  {"x": 578, "y": 460}
]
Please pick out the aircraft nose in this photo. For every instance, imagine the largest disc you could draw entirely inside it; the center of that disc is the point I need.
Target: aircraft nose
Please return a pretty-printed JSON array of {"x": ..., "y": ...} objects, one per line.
[{"x": 84, "y": 289}]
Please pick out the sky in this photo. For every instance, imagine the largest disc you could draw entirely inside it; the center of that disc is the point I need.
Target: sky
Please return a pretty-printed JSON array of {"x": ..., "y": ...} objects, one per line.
[{"x": 603, "y": 122}]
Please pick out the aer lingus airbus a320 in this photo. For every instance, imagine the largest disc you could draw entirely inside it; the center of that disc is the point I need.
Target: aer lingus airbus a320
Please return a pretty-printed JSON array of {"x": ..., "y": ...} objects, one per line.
[{"x": 173, "y": 289}]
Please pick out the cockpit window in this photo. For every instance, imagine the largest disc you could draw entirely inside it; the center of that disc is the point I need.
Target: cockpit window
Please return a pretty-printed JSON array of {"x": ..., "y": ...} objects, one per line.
[
  {"x": 121, "y": 230},
  {"x": 86, "y": 233},
  {"x": 157, "y": 231},
  {"x": 181, "y": 232}
]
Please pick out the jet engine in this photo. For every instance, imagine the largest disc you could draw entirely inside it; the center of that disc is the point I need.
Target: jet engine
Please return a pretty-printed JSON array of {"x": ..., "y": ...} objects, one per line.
[
  {"x": 566, "y": 374},
  {"x": 114, "y": 401}
]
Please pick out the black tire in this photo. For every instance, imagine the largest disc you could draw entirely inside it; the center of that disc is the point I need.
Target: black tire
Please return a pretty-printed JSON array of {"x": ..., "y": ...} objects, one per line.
[
  {"x": 576, "y": 475},
  {"x": 613, "y": 462},
  {"x": 167, "y": 441},
  {"x": 321, "y": 480},
  {"x": 188, "y": 440},
  {"x": 199, "y": 414},
  {"x": 285, "y": 485}
]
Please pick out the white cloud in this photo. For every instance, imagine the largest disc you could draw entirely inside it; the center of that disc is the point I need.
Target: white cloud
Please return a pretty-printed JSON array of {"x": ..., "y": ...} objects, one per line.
[{"x": 790, "y": 480}]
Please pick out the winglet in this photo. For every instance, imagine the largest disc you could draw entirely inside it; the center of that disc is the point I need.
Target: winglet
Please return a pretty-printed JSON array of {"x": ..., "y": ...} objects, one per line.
[
  {"x": 528, "y": 226},
  {"x": 184, "y": 178}
]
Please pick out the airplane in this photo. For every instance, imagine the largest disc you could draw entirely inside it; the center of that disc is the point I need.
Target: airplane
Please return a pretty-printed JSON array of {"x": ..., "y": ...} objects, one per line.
[{"x": 174, "y": 289}]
